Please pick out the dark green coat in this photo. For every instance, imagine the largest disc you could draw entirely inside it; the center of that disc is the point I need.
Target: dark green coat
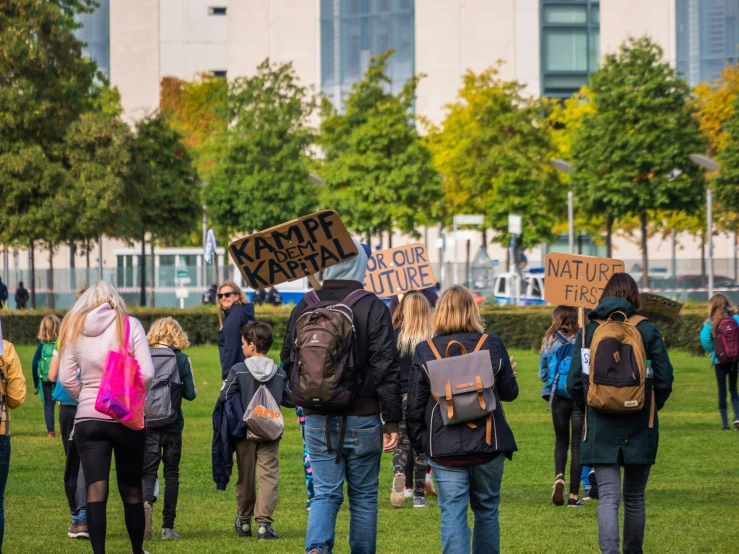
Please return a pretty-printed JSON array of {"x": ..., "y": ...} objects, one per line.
[{"x": 613, "y": 438}]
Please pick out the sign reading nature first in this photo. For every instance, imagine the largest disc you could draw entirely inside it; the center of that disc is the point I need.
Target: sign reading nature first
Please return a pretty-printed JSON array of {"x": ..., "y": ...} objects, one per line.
[
  {"x": 572, "y": 280},
  {"x": 296, "y": 249}
]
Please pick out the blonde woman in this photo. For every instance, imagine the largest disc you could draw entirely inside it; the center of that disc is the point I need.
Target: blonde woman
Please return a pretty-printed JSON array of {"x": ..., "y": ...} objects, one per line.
[
  {"x": 238, "y": 311},
  {"x": 468, "y": 467},
  {"x": 412, "y": 324},
  {"x": 719, "y": 308},
  {"x": 47, "y": 334},
  {"x": 94, "y": 326}
]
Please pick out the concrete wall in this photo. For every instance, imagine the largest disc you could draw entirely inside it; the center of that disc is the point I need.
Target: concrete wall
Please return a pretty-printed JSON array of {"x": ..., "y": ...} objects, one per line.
[{"x": 623, "y": 18}]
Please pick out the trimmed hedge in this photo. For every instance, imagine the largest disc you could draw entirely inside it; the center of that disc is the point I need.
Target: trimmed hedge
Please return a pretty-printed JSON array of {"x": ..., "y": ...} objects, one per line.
[{"x": 520, "y": 328}]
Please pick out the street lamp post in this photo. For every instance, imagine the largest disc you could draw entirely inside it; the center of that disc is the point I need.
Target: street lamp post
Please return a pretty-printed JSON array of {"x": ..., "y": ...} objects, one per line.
[
  {"x": 566, "y": 167},
  {"x": 708, "y": 164}
]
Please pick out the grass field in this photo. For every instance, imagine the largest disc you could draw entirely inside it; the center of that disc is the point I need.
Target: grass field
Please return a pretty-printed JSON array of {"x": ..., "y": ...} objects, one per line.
[{"x": 692, "y": 495}]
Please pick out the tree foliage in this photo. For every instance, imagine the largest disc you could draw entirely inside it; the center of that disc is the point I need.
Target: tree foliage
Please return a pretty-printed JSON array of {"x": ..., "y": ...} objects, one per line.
[
  {"x": 378, "y": 174},
  {"x": 262, "y": 177},
  {"x": 641, "y": 129},
  {"x": 494, "y": 149},
  {"x": 726, "y": 182},
  {"x": 714, "y": 103}
]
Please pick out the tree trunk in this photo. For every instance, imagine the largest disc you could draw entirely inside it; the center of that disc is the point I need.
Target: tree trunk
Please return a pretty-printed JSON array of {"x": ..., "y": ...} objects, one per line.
[
  {"x": 153, "y": 271},
  {"x": 87, "y": 263},
  {"x": 484, "y": 238},
  {"x": 390, "y": 238},
  {"x": 609, "y": 236},
  {"x": 51, "y": 277},
  {"x": 33, "y": 276},
  {"x": 644, "y": 253},
  {"x": 72, "y": 254},
  {"x": 142, "y": 263}
]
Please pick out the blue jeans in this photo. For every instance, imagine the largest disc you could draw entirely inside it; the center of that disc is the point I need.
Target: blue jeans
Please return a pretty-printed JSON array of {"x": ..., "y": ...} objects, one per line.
[
  {"x": 4, "y": 467},
  {"x": 478, "y": 486},
  {"x": 360, "y": 466}
]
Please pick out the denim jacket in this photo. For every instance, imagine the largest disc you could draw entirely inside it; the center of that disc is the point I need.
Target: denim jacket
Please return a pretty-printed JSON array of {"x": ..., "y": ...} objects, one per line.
[{"x": 547, "y": 353}]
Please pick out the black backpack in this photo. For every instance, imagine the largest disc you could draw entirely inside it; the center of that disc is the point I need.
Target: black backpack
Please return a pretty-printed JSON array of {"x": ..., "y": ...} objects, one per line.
[{"x": 164, "y": 400}]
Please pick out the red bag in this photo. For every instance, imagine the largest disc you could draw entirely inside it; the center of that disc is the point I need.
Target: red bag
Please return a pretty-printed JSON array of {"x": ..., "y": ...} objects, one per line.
[
  {"x": 122, "y": 394},
  {"x": 726, "y": 341}
]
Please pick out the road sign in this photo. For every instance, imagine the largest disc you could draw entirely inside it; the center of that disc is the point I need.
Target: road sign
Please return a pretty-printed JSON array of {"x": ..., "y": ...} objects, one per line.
[
  {"x": 514, "y": 224},
  {"x": 476, "y": 219}
]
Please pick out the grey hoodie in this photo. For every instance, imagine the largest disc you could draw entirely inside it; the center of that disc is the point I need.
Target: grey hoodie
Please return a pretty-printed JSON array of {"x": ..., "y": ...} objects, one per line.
[
  {"x": 351, "y": 270},
  {"x": 261, "y": 368}
]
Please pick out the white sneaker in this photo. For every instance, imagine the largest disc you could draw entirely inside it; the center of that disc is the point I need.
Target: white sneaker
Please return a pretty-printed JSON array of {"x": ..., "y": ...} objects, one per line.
[{"x": 408, "y": 493}]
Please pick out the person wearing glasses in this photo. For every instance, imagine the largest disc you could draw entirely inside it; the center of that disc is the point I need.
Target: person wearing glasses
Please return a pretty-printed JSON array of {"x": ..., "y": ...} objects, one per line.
[{"x": 238, "y": 311}]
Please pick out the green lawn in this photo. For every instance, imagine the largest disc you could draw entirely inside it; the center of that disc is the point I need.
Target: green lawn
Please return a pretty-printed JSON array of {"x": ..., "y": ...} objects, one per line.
[{"x": 692, "y": 496}]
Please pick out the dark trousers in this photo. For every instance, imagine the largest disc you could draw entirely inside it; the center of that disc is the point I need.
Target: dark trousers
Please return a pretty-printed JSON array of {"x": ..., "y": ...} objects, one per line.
[
  {"x": 165, "y": 447},
  {"x": 565, "y": 415},
  {"x": 48, "y": 388},
  {"x": 74, "y": 477},
  {"x": 722, "y": 372},
  {"x": 4, "y": 467}
]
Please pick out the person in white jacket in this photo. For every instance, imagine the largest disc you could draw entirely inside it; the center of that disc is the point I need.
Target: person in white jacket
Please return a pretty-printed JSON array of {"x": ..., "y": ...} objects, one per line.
[{"x": 94, "y": 326}]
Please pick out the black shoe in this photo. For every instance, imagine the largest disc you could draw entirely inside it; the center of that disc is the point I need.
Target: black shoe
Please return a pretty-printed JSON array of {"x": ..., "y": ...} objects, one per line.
[
  {"x": 572, "y": 503},
  {"x": 266, "y": 533},
  {"x": 243, "y": 527},
  {"x": 593, "y": 485}
]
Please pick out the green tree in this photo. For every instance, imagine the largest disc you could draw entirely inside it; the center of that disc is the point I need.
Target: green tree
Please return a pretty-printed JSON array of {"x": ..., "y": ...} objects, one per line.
[
  {"x": 378, "y": 173},
  {"x": 261, "y": 179},
  {"x": 170, "y": 202},
  {"x": 494, "y": 150},
  {"x": 641, "y": 129}
]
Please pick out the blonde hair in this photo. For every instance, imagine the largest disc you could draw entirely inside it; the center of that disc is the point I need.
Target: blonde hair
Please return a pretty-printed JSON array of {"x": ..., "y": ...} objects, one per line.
[
  {"x": 169, "y": 332},
  {"x": 415, "y": 322},
  {"x": 564, "y": 320},
  {"x": 95, "y": 296},
  {"x": 240, "y": 296},
  {"x": 718, "y": 308},
  {"x": 456, "y": 312},
  {"x": 49, "y": 329}
]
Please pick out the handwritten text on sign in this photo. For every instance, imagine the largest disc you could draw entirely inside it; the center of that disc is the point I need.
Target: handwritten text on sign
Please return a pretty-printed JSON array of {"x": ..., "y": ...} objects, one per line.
[
  {"x": 295, "y": 249},
  {"x": 398, "y": 270},
  {"x": 572, "y": 280}
]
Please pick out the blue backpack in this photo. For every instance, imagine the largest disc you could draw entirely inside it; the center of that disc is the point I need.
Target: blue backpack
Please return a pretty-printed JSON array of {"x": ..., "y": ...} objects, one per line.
[{"x": 559, "y": 366}]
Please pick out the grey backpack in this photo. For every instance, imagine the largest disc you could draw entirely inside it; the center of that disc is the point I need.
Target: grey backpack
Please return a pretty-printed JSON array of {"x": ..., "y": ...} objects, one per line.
[
  {"x": 164, "y": 400},
  {"x": 462, "y": 385}
]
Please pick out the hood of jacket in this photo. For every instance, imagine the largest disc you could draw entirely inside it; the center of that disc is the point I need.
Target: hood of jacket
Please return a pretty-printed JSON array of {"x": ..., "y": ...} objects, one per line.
[
  {"x": 98, "y": 320},
  {"x": 261, "y": 368},
  {"x": 351, "y": 270},
  {"x": 611, "y": 304},
  {"x": 237, "y": 308}
]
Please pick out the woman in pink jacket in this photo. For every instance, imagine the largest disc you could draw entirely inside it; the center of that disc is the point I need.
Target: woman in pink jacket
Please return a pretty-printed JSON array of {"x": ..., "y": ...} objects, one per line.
[{"x": 94, "y": 326}]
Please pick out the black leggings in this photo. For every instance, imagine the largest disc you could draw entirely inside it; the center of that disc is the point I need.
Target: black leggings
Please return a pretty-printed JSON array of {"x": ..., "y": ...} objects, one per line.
[
  {"x": 565, "y": 413},
  {"x": 722, "y": 372},
  {"x": 48, "y": 405},
  {"x": 74, "y": 480},
  {"x": 97, "y": 441}
]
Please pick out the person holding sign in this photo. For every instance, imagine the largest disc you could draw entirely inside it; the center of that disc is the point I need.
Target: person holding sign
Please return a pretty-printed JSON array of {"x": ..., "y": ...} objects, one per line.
[
  {"x": 556, "y": 357},
  {"x": 623, "y": 431},
  {"x": 238, "y": 312}
]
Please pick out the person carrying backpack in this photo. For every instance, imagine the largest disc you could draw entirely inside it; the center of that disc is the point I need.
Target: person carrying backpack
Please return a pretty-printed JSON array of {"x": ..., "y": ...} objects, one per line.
[
  {"x": 554, "y": 364},
  {"x": 350, "y": 393},
  {"x": 625, "y": 380},
  {"x": 47, "y": 335},
  {"x": 457, "y": 382},
  {"x": 173, "y": 381},
  {"x": 263, "y": 386},
  {"x": 720, "y": 338}
]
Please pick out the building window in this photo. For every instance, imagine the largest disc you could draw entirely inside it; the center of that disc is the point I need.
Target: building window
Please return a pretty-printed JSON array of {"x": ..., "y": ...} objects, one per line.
[
  {"x": 217, "y": 10},
  {"x": 95, "y": 33},
  {"x": 707, "y": 32},
  {"x": 218, "y": 72},
  {"x": 570, "y": 44},
  {"x": 354, "y": 30}
]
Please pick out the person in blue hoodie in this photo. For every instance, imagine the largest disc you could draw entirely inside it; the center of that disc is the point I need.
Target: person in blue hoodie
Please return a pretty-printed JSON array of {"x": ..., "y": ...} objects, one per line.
[
  {"x": 252, "y": 456},
  {"x": 238, "y": 311},
  {"x": 719, "y": 308}
]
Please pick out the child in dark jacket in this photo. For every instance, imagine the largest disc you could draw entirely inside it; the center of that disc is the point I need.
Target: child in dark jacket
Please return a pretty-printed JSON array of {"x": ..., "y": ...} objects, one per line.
[{"x": 252, "y": 456}]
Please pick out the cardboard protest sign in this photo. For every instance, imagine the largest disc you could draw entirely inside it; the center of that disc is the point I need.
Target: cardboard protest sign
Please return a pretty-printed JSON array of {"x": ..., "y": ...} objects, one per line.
[
  {"x": 296, "y": 249},
  {"x": 658, "y": 308},
  {"x": 572, "y": 280},
  {"x": 397, "y": 270}
]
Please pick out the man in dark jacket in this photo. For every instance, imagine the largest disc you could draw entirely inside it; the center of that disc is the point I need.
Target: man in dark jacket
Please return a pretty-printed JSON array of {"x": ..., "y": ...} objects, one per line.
[
  {"x": 21, "y": 297},
  {"x": 3, "y": 294},
  {"x": 378, "y": 395}
]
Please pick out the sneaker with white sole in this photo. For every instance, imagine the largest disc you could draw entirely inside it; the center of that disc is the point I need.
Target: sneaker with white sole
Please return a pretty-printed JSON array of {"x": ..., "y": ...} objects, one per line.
[
  {"x": 558, "y": 494},
  {"x": 420, "y": 502},
  {"x": 169, "y": 534},
  {"x": 408, "y": 493},
  {"x": 243, "y": 527},
  {"x": 266, "y": 533},
  {"x": 148, "y": 514},
  {"x": 397, "y": 496},
  {"x": 573, "y": 503}
]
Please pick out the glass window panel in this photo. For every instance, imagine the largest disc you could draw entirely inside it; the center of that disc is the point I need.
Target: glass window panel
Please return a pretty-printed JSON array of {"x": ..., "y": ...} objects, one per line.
[
  {"x": 351, "y": 50},
  {"x": 404, "y": 5},
  {"x": 364, "y": 8},
  {"x": 595, "y": 14},
  {"x": 594, "y": 49},
  {"x": 711, "y": 70},
  {"x": 565, "y": 14},
  {"x": 365, "y": 33},
  {"x": 381, "y": 35},
  {"x": 383, "y": 6},
  {"x": 351, "y": 7},
  {"x": 327, "y": 54},
  {"x": 566, "y": 49},
  {"x": 564, "y": 82},
  {"x": 327, "y": 9}
]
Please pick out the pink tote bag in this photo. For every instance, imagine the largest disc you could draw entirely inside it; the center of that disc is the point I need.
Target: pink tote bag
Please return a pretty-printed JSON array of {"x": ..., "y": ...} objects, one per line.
[{"x": 122, "y": 394}]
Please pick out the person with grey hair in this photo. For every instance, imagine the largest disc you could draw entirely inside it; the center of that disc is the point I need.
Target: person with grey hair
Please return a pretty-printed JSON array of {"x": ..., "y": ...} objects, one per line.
[{"x": 347, "y": 444}]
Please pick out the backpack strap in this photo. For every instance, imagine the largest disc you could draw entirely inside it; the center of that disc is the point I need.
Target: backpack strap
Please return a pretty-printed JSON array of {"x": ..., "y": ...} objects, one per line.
[
  {"x": 311, "y": 298},
  {"x": 636, "y": 319},
  {"x": 480, "y": 343},
  {"x": 461, "y": 347},
  {"x": 354, "y": 297},
  {"x": 433, "y": 348}
]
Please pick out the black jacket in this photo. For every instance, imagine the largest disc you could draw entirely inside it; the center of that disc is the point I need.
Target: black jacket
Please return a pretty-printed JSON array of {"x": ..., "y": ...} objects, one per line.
[
  {"x": 405, "y": 363},
  {"x": 422, "y": 412},
  {"x": 229, "y": 337},
  {"x": 241, "y": 381},
  {"x": 376, "y": 353},
  {"x": 228, "y": 426}
]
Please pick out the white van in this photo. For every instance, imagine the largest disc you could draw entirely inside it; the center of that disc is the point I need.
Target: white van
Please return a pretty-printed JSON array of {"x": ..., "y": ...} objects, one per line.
[{"x": 532, "y": 288}]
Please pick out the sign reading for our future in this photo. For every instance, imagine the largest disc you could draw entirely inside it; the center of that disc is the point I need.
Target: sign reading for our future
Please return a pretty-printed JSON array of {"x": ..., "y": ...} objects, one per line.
[
  {"x": 399, "y": 270},
  {"x": 572, "y": 280},
  {"x": 293, "y": 250}
]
